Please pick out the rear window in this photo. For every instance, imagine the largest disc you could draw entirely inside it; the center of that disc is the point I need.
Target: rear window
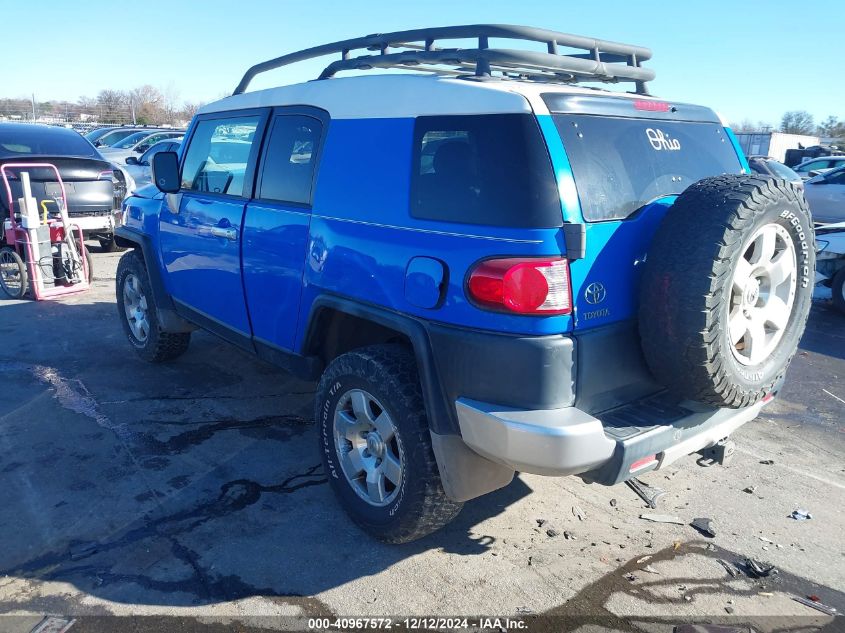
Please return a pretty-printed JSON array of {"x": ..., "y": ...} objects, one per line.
[
  {"x": 43, "y": 141},
  {"x": 622, "y": 164},
  {"x": 483, "y": 169},
  {"x": 782, "y": 171}
]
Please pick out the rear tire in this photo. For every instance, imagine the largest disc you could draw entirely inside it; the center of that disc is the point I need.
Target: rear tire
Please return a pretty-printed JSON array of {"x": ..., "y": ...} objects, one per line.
[
  {"x": 136, "y": 308},
  {"x": 13, "y": 275},
  {"x": 110, "y": 246},
  {"x": 837, "y": 287},
  {"x": 727, "y": 289},
  {"x": 376, "y": 446}
]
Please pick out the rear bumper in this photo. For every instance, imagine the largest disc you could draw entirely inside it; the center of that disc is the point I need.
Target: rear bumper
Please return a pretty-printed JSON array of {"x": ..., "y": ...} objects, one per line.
[{"x": 606, "y": 449}]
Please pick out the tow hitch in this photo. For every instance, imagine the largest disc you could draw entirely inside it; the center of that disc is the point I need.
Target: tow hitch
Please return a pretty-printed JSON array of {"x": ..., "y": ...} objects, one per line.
[{"x": 719, "y": 453}]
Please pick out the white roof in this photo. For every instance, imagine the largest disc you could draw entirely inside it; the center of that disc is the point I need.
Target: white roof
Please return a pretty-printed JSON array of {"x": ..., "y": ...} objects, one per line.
[{"x": 409, "y": 95}]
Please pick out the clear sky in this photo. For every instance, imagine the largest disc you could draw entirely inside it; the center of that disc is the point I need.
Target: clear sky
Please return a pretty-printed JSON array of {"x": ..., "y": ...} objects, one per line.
[{"x": 751, "y": 59}]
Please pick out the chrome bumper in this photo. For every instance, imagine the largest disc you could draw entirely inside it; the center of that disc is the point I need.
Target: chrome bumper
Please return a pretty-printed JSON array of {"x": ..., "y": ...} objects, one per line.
[{"x": 569, "y": 441}]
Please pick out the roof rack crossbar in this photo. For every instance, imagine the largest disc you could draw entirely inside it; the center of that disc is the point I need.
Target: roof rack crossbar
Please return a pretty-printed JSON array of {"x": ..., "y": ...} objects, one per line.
[{"x": 601, "y": 60}]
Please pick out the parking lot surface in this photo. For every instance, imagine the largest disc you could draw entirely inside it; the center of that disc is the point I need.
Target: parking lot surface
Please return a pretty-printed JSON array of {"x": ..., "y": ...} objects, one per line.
[{"x": 195, "y": 489}]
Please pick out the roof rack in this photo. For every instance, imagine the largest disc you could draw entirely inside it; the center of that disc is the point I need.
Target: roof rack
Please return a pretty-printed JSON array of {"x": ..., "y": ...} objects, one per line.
[{"x": 602, "y": 61}]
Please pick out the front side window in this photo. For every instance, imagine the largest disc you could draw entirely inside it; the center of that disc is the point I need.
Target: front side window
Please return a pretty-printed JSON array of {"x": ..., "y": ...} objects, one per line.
[
  {"x": 490, "y": 169},
  {"x": 216, "y": 159},
  {"x": 290, "y": 159},
  {"x": 621, "y": 164}
]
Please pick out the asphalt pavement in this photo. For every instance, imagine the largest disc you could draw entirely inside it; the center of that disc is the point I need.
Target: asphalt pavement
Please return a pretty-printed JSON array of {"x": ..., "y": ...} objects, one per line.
[{"x": 194, "y": 489}]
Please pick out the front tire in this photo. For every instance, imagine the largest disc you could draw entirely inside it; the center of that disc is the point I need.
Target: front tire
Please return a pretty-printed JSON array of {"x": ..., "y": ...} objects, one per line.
[
  {"x": 376, "y": 446},
  {"x": 136, "y": 308}
]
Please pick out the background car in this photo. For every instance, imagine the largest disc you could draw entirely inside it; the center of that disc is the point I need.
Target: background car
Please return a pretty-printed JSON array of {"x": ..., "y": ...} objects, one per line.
[
  {"x": 818, "y": 165},
  {"x": 139, "y": 167},
  {"x": 99, "y": 132},
  {"x": 93, "y": 187},
  {"x": 137, "y": 143},
  {"x": 825, "y": 194},
  {"x": 115, "y": 135},
  {"x": 770, "y": 167}
]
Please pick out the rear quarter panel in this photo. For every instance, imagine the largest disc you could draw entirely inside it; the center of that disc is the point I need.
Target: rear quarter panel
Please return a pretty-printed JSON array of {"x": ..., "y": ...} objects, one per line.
[{"x": 362, "y": 236}]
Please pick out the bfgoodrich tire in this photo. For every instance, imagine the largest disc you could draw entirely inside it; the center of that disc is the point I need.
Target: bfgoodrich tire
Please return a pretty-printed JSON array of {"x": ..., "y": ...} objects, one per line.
[
  {"x": 727, "y": 289},
  {"x": 376, "y": 447},
  {"x": 137, "y": 311}
]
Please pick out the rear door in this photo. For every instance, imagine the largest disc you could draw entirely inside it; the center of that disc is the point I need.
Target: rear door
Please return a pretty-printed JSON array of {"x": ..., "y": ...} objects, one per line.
[
  {"x": 275, "y": 234},
  {"x": 200, "y": 227}
]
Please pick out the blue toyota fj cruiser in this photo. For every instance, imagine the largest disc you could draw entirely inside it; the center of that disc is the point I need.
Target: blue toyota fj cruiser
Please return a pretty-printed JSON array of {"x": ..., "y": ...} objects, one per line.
[{"x": 489, "y": 266}]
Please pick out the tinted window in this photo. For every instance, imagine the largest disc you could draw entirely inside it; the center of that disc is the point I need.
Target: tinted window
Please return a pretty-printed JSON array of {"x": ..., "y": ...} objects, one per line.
[
  {"x": 217, "y": 157},
  {"x": 487, "y": 169},
  {"x": 41, "y": 140},
  {"x": 147, "y": 157},
  {"x": 131, "y": 140},
  {"x": 622, "y": 164},
  {"x": 836, "y": 178},
  {"x": 290, "y": 159},
  {"x": 107, "y": 140}
]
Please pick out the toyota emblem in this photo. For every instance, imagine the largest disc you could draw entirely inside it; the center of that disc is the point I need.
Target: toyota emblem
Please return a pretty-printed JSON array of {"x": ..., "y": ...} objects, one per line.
[{"x": 595, "y": 293}]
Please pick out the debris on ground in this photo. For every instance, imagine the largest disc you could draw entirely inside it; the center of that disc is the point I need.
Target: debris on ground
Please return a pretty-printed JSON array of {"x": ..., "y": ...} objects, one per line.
[
  {"x": 569, "y": 536},
  {"x": 643, "y": 559},
  {"x": 756, "y": 569},
  {"x": 728, "y": 567},
  {"x": 541, "y": 522},
  {"x": 649, "y": 494},
  {"x": 711, "y": 547},
  {"x": 750, "y": 489},
  {"x": 767, "y": 462},
  {"x": 630, "y": 577},
  {"x": 662, "y": 518},
  {"x": 524, "y": 610},
  {"x": 801, "y": 515},
  {"x": 578, "y": 512},
  {"x": 651, "y": 570},
  {"x": 53, "y": 624},
  {"x": 705, "y": 526},
  {"x": 816, "y": 604},
  {"x": 676, "y": 545},
  {"x": 613, "y": 503},
  {"x": 552, "y": 532},
  {"x": 729, "y": 610},
  {"x": 766, "y": 540}
]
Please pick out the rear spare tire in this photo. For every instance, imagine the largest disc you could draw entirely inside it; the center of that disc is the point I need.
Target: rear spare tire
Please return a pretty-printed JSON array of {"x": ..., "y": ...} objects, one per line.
[{"x": 727, "y": 288}]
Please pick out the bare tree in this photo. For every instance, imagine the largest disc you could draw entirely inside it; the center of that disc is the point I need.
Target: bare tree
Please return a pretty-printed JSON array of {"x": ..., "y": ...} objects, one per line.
[
  {"x": 112, "y": 106},
  {"x": 146, "y": 103},
  {"x": 797, "y": 122}
]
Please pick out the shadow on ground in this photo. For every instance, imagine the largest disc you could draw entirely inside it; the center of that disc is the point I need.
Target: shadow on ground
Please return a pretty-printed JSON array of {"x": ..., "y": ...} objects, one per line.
[{"x": 183, "y": 484}]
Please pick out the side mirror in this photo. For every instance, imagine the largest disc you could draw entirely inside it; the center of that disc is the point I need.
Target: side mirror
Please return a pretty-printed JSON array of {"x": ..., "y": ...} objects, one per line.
[
  {"x": 132, "y": 160},
  {"x": 166, "y": 171}
]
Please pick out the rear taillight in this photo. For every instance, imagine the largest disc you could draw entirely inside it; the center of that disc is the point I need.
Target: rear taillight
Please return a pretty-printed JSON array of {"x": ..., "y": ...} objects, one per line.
[{"x": 522, "y": 285}]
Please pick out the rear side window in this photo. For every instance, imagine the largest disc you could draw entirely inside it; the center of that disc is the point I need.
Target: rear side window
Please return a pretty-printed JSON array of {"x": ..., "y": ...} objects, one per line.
[
  {"x": 290, "y": 159},
  {"x": 217, "y": 157},
  {"x": 483, "y": 169},
  {"x": 621, "y": 164}
]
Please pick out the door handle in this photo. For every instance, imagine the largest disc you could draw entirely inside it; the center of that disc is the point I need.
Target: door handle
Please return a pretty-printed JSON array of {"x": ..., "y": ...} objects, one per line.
[{"x": 228, "y": 232}]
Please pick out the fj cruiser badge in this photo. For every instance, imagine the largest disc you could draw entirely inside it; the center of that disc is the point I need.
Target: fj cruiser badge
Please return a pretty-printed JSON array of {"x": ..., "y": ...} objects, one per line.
[
  {"x": 659, "y": 140},
  {"x": 595, "y": 293}
]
